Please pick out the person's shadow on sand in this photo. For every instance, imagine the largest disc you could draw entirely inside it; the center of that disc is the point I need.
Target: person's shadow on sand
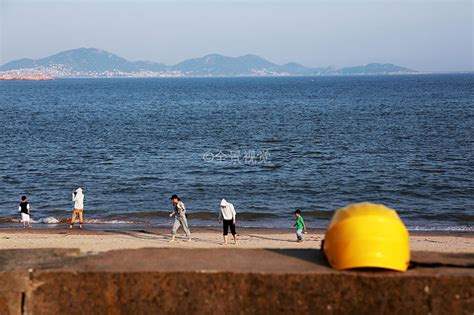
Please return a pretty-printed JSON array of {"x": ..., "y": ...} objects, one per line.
[{"x": 314, "y": 256}]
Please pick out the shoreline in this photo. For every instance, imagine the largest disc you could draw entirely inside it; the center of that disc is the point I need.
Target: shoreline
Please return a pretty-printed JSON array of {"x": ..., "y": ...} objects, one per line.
[
  {"x": 162, "y": 228},
  {"x": 98, "y": 229},
  {"x": 97, "y": 224}
]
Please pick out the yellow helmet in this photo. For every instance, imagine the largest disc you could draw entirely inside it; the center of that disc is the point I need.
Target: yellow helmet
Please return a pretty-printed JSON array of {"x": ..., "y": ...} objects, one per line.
[{"x": 367, "y": 235}]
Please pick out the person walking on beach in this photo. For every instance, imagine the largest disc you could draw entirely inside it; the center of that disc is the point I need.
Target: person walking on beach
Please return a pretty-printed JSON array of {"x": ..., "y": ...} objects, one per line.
[
  {"x": 179, "y": 214},
  {"x": 299, "y": 226},
  {"x": 24, "y": 208},
  {"x": 78, "y": 199},
  {"x": 227, "y": 213}
]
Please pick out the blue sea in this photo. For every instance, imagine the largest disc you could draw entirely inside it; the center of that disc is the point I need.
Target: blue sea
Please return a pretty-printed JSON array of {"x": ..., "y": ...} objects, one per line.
[{"x": 268, "y": 145}]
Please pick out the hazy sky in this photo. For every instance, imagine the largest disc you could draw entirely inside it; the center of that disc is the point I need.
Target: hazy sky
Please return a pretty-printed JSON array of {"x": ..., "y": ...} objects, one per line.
[{"x": 424, "y": 35}]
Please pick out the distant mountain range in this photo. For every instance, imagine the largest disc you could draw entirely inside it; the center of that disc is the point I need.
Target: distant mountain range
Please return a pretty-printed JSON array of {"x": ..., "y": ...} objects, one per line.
[{"x": 93, "y": 62}]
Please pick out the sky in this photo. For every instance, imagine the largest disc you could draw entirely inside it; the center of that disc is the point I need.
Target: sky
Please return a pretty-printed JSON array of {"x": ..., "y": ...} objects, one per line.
[{"x": 425, "y": 35}]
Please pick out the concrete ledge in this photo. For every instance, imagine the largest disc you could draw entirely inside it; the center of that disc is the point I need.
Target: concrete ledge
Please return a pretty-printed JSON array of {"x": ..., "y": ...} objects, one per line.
[{"x": 235, "y": 281}]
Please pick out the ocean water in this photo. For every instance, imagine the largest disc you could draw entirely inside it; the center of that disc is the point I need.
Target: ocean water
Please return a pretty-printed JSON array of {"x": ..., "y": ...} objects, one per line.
[{"x": 268, "y": 145}]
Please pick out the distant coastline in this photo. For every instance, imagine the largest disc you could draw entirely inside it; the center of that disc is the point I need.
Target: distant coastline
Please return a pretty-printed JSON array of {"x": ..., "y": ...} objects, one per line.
[
  {"x": 20, "y": 77},
  {"x": 97, "y": 63}
]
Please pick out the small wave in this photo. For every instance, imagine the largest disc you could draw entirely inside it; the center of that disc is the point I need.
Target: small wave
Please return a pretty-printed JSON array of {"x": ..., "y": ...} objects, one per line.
[
  {"x": 318, "y": 214},
  {"x": 53, "y": 220},
  {"x": 203, "y": 217},
  {"x": 454, "y": 217},
  {"x": 250, "y": 216},
  {"x": 9, "y": 220},
  {"x": 441, "y": 228},
  {"x": 48, "y": 220},
  {"x": 200, "y": 215},
  {"x": 247, "y": 216},
  {"x": 271, "y": 141},
  {"x": 213, "y": 215},
  {"x": 101, "y": 221},
  {"x": 58, "y": 212},
  {"x": 138, "y": 215},
  {"x": 145, "y": 178}
]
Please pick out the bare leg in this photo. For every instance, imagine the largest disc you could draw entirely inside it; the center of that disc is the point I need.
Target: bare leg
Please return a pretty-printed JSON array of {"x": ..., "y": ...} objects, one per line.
[
  {"x": 225, "y": 239},
  {"x": 173, "y": 236},
  {"x": 80, "y": 219},
  {"x": 74, "y": 214}
]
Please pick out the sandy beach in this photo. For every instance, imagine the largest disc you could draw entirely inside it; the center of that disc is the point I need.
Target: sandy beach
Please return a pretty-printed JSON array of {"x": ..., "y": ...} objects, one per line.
[{"x": 105, "y": 240}]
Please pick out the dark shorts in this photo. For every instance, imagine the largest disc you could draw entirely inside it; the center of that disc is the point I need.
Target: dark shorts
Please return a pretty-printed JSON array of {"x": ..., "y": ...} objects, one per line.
[{"x": 228, "y": 223}]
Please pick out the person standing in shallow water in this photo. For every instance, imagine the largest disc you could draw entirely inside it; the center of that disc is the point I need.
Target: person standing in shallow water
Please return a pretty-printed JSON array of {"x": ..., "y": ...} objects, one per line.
[
  {"x": 78, "y": 199},
  {"x": 179, "y": 214},
  {"x": 24, "y": 208},
  {"x": 228, "y": 214}
]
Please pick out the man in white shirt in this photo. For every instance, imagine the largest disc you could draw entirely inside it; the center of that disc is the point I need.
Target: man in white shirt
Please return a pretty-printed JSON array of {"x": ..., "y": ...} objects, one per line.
[{"x": 227, "y": 213}]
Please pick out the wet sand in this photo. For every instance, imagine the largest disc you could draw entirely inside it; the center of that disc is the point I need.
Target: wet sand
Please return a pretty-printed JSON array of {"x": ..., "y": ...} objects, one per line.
[{"x": 96, "y": 240}]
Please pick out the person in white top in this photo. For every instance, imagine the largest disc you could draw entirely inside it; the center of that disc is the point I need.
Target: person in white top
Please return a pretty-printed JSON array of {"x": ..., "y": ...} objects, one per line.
[
  {"x": 228, "y": 214},
  {"x": 78, "y": 199},
  {"x": 24, "y": 208}
]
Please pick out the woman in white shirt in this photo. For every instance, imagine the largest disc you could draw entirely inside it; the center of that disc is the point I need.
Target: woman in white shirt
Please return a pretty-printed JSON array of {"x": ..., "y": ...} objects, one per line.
[{"x": 227, "y": 213}]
